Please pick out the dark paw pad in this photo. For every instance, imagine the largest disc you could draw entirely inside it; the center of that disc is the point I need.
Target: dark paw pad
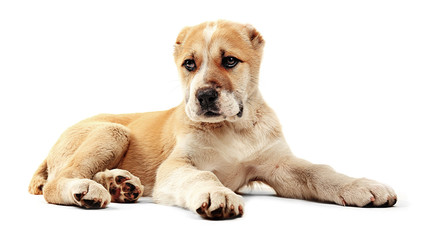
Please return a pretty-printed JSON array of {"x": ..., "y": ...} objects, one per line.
[
  {"x": 218, "y": 213},
  {"x": 123, "y": 191},
  {"x": 94, "y": 203},
  {"x": 121, "y": 179},
  {"x": 79, "y": 196}
]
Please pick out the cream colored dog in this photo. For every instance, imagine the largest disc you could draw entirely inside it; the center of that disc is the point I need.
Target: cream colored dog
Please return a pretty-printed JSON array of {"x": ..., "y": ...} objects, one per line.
[{"x": 222, "y": 137}]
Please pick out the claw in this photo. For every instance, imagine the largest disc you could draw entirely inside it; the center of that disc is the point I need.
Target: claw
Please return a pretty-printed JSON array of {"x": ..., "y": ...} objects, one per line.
[
  {"x": 79, "y": 196},
  {"x": 232, "y": 211},
  {"x": 202, "y": 208},
  {"x": 343, "y": 201},
  {"x": 240, "y": 209}
]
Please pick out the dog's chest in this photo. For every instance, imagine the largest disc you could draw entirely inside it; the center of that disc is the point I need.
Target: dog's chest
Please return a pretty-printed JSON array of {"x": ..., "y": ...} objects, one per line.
[
  {"x": 235, "y": 148},
  {"x": 231, "y": 156},
  {"x": 226, "y": 150},
  {"x": 227, "y": 146}
]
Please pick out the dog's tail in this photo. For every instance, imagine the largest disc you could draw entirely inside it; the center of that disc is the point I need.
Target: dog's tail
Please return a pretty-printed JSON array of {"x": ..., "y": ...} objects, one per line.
[{"x": 38, "y": 179}]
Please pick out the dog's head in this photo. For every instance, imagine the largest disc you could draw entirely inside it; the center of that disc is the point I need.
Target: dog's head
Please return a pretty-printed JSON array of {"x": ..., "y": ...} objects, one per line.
[{"x": 219, "y": 66}]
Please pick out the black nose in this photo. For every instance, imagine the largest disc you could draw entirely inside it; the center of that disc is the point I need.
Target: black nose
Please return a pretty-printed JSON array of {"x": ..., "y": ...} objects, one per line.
[{"x": 207, "y": 98}]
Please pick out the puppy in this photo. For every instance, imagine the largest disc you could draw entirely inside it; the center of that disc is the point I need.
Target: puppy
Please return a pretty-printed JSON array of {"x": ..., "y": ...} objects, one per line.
[{"x": 221, "y": 137}]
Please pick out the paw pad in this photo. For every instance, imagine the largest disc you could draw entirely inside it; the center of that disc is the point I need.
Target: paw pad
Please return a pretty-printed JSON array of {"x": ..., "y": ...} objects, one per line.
[
  {"x": 121, "y": 184},
  {"x": 124, "y": 190}
]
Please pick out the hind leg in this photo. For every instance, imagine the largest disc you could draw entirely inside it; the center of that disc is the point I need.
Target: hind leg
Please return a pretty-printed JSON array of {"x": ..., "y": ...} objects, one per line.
[
  {"x": 121, "y": 184},
  {"x": 80, "y": 192},
  {"x": 38, "y": 179},
  {"x": 81, "y": 152}
]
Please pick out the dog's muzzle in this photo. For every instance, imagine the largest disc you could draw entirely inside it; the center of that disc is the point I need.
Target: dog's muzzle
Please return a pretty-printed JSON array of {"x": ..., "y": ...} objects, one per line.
[{"x": 208, "y": 101}]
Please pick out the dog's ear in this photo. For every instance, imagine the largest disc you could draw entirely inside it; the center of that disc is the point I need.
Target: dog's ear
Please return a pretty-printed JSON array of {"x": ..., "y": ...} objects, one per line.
[
  {"x": 181, "y": 36},
  {"x": 180, "y": 40},
  {"x": 254, "y": 36}
]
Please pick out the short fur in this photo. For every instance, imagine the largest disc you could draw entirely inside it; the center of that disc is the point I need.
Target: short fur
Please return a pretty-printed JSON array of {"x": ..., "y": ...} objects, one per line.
[{"x": 188, "y": 158}]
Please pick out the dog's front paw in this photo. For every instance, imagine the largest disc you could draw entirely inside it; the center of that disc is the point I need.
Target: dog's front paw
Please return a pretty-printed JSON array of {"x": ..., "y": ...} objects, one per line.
[
  {"x": 218, "y": 203},
  {"x": 366, "y": 193}
]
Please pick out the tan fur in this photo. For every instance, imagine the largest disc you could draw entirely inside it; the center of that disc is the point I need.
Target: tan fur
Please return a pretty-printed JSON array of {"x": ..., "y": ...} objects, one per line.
[{"x": 183, "y": 157}]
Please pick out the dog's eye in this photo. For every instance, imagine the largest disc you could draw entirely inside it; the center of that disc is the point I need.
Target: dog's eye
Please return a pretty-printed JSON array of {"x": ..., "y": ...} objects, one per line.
[
  {"x": 229, "y": 62},
  {"x": 190, "y": 65}
]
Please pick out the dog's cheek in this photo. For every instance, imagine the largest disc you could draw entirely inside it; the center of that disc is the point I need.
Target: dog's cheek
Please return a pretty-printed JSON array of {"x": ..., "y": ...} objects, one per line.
[
  {"x": 190, "y": 112},
  {"x": 186, "y": 80},
  {"x": 191, "y": 108},
  {"x": 187, "y": 94},
  {"x": 228, "y": 104},
  {"x": 242, "y": 81}
]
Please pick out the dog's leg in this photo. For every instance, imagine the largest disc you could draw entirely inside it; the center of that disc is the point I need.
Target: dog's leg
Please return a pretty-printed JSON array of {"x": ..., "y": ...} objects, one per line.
[
  {"x": 296, "y": 178},
  {"x": 179, "y": 183},
  {"x": 81, "y": 152},
  {"x": 38, "y": 179}
]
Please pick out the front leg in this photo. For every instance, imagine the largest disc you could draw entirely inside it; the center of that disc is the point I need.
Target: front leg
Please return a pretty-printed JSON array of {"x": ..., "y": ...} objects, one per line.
[
  {"x": 179, "y": 183},
  {"x": 296, "y": 178}
]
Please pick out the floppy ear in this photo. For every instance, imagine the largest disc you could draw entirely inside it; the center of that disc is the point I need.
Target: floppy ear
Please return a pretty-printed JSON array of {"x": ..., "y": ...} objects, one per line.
[
  {"x": 255, "y": 37},
  {"x": 181, "y": 36},
  {"x": 180, "y": 40}
]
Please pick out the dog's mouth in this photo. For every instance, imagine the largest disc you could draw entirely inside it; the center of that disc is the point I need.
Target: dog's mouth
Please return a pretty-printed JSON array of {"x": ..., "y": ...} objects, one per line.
[
  {"x": 210, "y": 110},
  {"x": 240, "y": 113},
  {"x": 211, "y": 114},
  {"x": 215, "y": 113}
]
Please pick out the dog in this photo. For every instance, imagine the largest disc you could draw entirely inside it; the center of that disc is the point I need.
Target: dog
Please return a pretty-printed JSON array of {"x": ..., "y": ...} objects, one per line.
[{"x": 220, "y": 138}]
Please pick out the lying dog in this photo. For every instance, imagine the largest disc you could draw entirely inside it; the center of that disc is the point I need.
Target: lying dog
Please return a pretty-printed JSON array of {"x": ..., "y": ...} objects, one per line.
[{"x": 221, "y": 137}]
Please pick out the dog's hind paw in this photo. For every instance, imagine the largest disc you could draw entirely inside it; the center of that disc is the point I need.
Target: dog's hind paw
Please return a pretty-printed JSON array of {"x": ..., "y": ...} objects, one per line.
[
  {"x": 121, "y": 184},
  {"x": 89, "y": 194}
]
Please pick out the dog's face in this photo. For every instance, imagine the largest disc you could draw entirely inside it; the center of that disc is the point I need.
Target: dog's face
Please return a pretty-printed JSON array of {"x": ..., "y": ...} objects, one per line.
[{"x": 219, "y": 66}]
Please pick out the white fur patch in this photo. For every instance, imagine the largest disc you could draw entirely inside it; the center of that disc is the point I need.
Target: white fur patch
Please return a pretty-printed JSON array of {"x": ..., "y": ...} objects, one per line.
[
  {"x": 192, "y": 108},
  {"x": 208, "y": 32}
]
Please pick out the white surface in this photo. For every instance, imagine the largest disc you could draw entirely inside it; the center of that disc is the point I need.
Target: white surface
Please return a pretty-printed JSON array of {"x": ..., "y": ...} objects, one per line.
[{"x": 345, "y": 79}]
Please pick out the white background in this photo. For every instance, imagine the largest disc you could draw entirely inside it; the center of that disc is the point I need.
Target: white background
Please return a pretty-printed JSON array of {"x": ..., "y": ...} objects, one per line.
[{"x": 345, "y": 78}]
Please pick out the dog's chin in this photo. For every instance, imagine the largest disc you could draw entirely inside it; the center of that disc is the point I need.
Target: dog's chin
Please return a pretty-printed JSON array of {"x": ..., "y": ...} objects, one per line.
[{"x": 213, "y": 116}]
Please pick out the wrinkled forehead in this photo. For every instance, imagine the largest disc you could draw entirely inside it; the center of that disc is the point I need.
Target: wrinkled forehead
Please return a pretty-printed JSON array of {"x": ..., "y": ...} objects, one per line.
[{"x": 215, "y": 38}]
